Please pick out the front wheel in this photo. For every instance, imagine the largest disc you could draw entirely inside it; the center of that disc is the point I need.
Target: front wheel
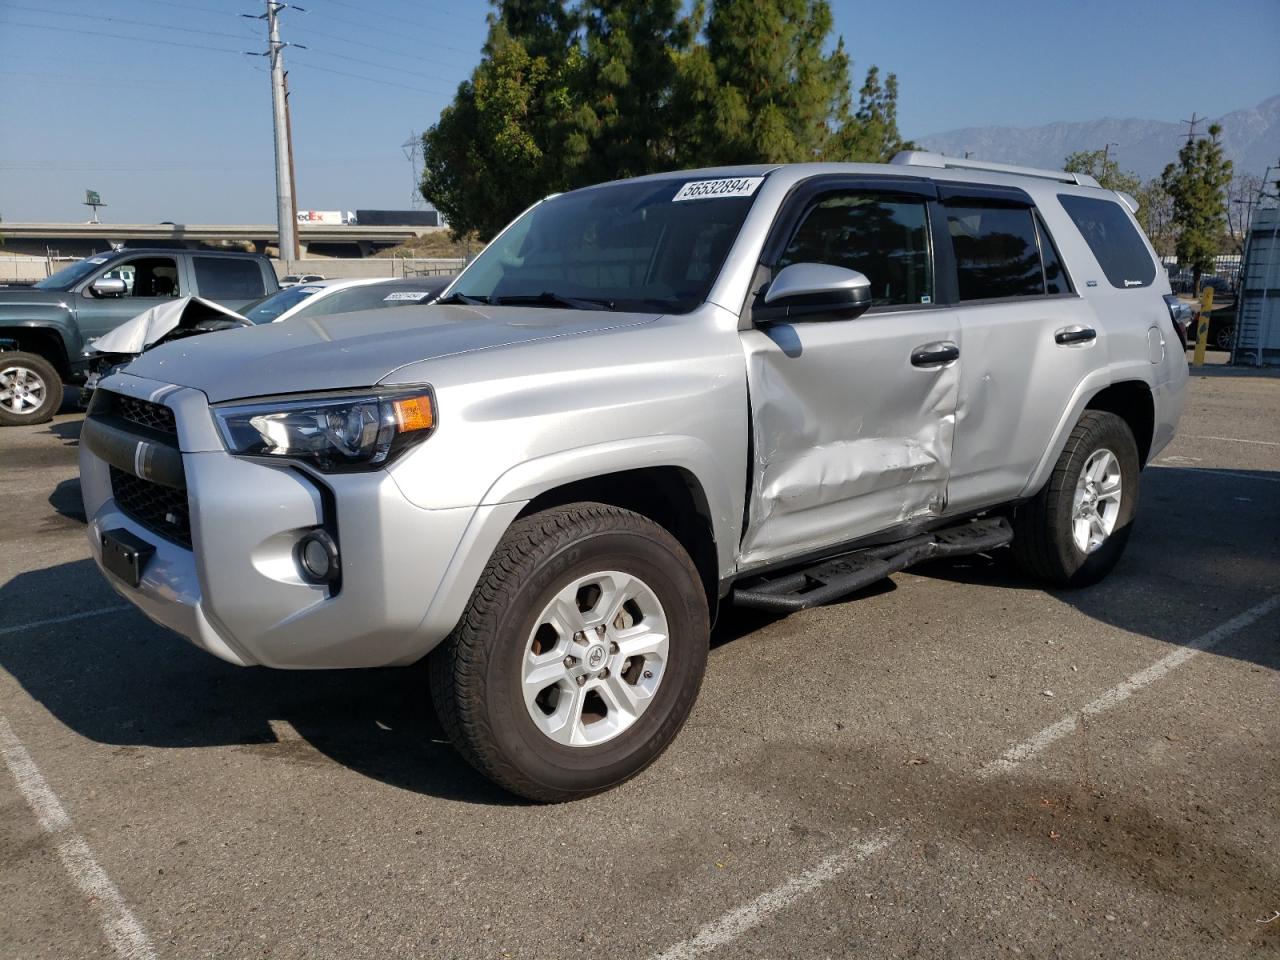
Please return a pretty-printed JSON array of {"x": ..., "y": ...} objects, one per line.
[
  {"x": 30, "y": 389},
  {"x": 1074, "y": 530},
  {"x": 579, "y": 656}
]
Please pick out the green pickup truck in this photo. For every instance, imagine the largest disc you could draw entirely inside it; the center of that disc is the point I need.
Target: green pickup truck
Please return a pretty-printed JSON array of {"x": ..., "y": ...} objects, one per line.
[{"x": 44, "y": 328}]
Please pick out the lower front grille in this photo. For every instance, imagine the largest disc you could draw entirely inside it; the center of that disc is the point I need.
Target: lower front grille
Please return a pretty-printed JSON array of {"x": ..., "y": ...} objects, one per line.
[{"x": 162, "y": 510}]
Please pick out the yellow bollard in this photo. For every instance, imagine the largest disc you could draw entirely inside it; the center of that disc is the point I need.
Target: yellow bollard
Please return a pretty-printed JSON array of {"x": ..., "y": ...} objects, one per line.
[{"x": 1202, "y": 330}]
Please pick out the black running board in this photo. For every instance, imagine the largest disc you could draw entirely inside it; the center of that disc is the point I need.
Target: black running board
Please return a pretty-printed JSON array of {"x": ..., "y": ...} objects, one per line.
[{"x": 832, "y": 579}]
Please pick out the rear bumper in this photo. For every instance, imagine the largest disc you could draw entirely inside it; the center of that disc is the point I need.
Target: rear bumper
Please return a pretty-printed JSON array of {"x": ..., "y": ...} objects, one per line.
[{"x": 237, "y": 593}]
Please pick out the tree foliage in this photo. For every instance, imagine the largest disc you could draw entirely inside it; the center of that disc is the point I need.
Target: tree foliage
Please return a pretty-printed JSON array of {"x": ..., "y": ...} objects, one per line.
[
  {"x": 565, "y": 97},
  {"x": 1099, "y": 165},
  {"x": 1197, "y": 184}
]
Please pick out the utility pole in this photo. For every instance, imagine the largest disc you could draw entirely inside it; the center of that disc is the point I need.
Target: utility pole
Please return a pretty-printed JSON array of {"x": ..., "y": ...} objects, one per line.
[
  {"x": 295, "y": 252},
  {"x": 1106, "y": 153},
  {"x": 286, "y": 218}
]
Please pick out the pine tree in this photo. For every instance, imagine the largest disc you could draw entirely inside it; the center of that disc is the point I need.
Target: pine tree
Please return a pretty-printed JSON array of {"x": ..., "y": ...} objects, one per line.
[
  {"x": 627, "y": 115},
  {"x": 1198, "y": 185},
  {"x": 500, "y": 145}
]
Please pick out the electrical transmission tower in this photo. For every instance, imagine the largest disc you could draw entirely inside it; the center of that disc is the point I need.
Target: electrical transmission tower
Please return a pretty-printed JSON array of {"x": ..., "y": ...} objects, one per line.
[
  {"x": 286, "y": 218},
  {"x": 411, "y": 148}
]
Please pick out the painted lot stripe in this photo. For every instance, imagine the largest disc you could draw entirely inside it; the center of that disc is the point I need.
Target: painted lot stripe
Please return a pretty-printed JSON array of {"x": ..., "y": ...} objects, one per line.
[
  {"x": 67, "y": 619},
  {"x": 123, "y": 931},
  {"x": 1021, "y": 752},
  {"x": 738, "y": 921},
  {"x": 1261, "y": 443}
]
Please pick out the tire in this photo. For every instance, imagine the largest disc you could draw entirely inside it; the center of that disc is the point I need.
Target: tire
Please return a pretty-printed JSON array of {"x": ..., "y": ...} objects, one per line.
[
  {"x": 484, "y": 673},
  {"x": 1046, "y": 535},
  {"x": 30, "y": 389},
  {"x": 1224, "y": 336}
]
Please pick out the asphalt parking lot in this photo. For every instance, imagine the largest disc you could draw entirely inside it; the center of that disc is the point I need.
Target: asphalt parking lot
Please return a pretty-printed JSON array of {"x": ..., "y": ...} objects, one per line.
[{"x": 956, "y": 764}]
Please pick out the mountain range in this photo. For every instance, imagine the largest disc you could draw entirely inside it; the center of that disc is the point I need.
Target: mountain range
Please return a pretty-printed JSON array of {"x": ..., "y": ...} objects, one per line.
[{"x": 1250, "y": 138}]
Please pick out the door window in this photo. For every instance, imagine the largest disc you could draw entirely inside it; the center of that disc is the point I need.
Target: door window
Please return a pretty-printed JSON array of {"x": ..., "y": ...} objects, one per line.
[
  {"x": 997, "y": 253},
  {"x": 884, "y": 237},
  {"x": 225, "y": 278},
  {"x": 148, "y": 277},
  {"x": 1055, "y": 275}
]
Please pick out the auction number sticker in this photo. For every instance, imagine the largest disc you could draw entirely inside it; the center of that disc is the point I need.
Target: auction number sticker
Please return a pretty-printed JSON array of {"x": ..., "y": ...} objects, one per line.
[
  {"x": 413, "y": 295},
  {"x": 707, "y": 189}
]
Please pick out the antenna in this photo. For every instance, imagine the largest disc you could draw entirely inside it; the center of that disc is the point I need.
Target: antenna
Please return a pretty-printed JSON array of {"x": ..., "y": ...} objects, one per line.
[{"x": 411, "y": 148}]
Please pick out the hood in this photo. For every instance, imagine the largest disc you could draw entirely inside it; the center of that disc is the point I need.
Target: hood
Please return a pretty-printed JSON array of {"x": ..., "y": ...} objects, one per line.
[
  {"x": 27, "y": 295},
  {"x": 150, "y": 326},
  {"x": 356, "y": 349}
]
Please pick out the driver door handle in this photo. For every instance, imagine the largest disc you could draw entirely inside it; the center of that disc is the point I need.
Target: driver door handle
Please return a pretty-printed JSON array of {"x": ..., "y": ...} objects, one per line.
[{"x": 936, "y": 354}]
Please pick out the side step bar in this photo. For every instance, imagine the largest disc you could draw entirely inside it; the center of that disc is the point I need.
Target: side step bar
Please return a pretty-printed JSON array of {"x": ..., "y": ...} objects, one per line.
[{"x": 831, "y": 579}]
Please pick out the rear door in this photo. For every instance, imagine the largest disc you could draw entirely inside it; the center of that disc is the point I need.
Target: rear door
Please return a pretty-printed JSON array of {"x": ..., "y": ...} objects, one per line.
[
  {"x": 1029, "y": 340},
  {"x": 230, "y": 281},
  {"x": 149, "y": 280},
  {"x": 850, "y": 436}
]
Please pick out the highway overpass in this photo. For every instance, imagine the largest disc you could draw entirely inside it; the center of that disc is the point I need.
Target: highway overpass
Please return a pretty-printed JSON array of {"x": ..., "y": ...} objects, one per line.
[{"x": 79, "y": 239}]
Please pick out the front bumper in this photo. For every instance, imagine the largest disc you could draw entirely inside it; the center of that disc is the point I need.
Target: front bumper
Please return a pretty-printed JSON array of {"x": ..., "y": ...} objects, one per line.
[{"x": 237, "y": 592}]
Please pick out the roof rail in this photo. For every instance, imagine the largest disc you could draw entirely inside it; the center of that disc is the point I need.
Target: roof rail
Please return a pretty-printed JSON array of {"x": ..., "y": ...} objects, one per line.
[{"x": 923, "y": 158}]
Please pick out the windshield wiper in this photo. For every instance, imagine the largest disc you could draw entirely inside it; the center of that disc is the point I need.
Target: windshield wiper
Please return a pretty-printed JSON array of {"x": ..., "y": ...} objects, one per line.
[
  {"x": 549, "y": 299},
  {"x": 456, "y": 297}
]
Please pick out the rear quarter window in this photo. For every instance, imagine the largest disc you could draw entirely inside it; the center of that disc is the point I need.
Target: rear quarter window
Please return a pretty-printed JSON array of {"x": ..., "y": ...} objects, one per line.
[{"x": 1114, "y": 240}]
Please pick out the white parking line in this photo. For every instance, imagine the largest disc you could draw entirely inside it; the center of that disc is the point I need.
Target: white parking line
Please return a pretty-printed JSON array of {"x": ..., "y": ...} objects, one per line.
[
  {"x": 736, "y": 922},
  {"x": 67, "y": 619},
  {"x": 1261, "y": 443},
  {"x": 123, "y": 931},
  {"x": 1021, "y": 752}
]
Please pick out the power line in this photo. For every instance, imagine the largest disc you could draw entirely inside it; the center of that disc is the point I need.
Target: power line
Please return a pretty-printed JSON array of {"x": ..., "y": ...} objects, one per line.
[
  {"x": 365, "y": 25},
  {"x": 136, "y": 23},
  {"x": 119, "y": 36},
  {"x": 359, "y": 76},
  {"x": 416, "y": 56}
]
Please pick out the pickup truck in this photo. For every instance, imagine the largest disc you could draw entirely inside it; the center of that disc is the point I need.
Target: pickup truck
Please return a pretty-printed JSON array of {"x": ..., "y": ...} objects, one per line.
[
  {"x": 44, "y": 328},
  {"x": 768, "y": 386}
]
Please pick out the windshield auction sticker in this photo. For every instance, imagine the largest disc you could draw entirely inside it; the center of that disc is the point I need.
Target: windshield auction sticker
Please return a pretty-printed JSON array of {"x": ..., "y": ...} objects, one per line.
[{"x": 707, "y": 189}]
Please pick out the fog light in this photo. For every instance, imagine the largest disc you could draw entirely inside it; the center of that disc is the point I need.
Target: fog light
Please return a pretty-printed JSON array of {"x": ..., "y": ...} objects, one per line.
[{"x": 317, "y": 556}]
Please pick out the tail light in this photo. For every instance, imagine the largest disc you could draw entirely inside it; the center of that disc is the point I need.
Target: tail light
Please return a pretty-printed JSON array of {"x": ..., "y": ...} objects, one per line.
[{"x": 1182, "y": 313}]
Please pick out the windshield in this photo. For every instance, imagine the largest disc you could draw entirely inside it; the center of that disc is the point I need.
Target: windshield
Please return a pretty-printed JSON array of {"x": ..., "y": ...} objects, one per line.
[
  {"x": 271, "y": 306},
  {"x": 69, "y": 276},
  {"x": 627, "y": 246}
]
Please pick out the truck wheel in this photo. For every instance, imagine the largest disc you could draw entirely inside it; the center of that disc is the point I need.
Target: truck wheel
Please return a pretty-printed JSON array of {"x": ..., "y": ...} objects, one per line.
[
  {"x": 579, "y": 656},
  {"x": 30, "y": 389},
  {"x": 1075, "y": 529}
]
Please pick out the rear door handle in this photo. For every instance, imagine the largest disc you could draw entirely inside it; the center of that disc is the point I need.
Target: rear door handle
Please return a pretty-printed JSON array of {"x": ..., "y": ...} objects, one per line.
[
  {"x": 1075, "y": 335},
  {"x": 935, "y": 354}
]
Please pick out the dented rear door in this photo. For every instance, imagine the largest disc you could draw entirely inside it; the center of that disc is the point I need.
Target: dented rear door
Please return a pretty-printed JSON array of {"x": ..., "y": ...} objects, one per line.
[{"x": 850, "y": 436}]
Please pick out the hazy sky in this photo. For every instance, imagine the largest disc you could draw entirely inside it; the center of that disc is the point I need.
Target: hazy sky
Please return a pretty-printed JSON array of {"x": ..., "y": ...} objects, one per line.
[{"x": 153, "y": 103}]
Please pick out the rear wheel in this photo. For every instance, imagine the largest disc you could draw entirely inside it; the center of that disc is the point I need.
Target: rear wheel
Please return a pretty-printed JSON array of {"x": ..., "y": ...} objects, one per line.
[
  {"x": 1074, "y": 530},
  {"x": 579, "y": 656},
  {"x": 30, "y": 389}
]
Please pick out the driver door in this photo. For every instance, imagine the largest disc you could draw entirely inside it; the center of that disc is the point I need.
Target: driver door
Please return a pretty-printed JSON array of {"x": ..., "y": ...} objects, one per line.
[
  {"x": 149, "y": 282},
  {"x": 852, "y": 419}
]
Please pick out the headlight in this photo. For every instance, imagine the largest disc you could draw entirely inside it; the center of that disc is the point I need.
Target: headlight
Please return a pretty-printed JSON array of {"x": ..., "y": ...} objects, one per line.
[{"x": 334, "y": 431}]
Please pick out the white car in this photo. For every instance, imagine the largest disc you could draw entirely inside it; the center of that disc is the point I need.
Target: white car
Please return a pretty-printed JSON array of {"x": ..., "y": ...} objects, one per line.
[
  {"x": 296, "y": 278},
  {"x": 325, "y": 297}
]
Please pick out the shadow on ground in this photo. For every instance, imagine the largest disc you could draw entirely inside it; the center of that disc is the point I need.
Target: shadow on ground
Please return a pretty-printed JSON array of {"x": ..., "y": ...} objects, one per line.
[{"x": 116, "y": 678}]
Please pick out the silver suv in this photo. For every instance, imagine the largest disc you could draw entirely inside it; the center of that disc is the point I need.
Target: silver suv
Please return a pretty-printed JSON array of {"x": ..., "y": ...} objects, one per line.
[{"x": 767, "y": 386}]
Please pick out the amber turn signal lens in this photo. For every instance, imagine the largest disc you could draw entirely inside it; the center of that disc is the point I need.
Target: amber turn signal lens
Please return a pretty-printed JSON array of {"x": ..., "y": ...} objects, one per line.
[{"x": 414, "y": 413}]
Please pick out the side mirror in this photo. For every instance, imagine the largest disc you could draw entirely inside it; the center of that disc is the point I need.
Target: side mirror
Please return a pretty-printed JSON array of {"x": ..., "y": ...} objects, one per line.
[
  {"x": 108, "y": 287},
  {"x": 814, "y": 291}
]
